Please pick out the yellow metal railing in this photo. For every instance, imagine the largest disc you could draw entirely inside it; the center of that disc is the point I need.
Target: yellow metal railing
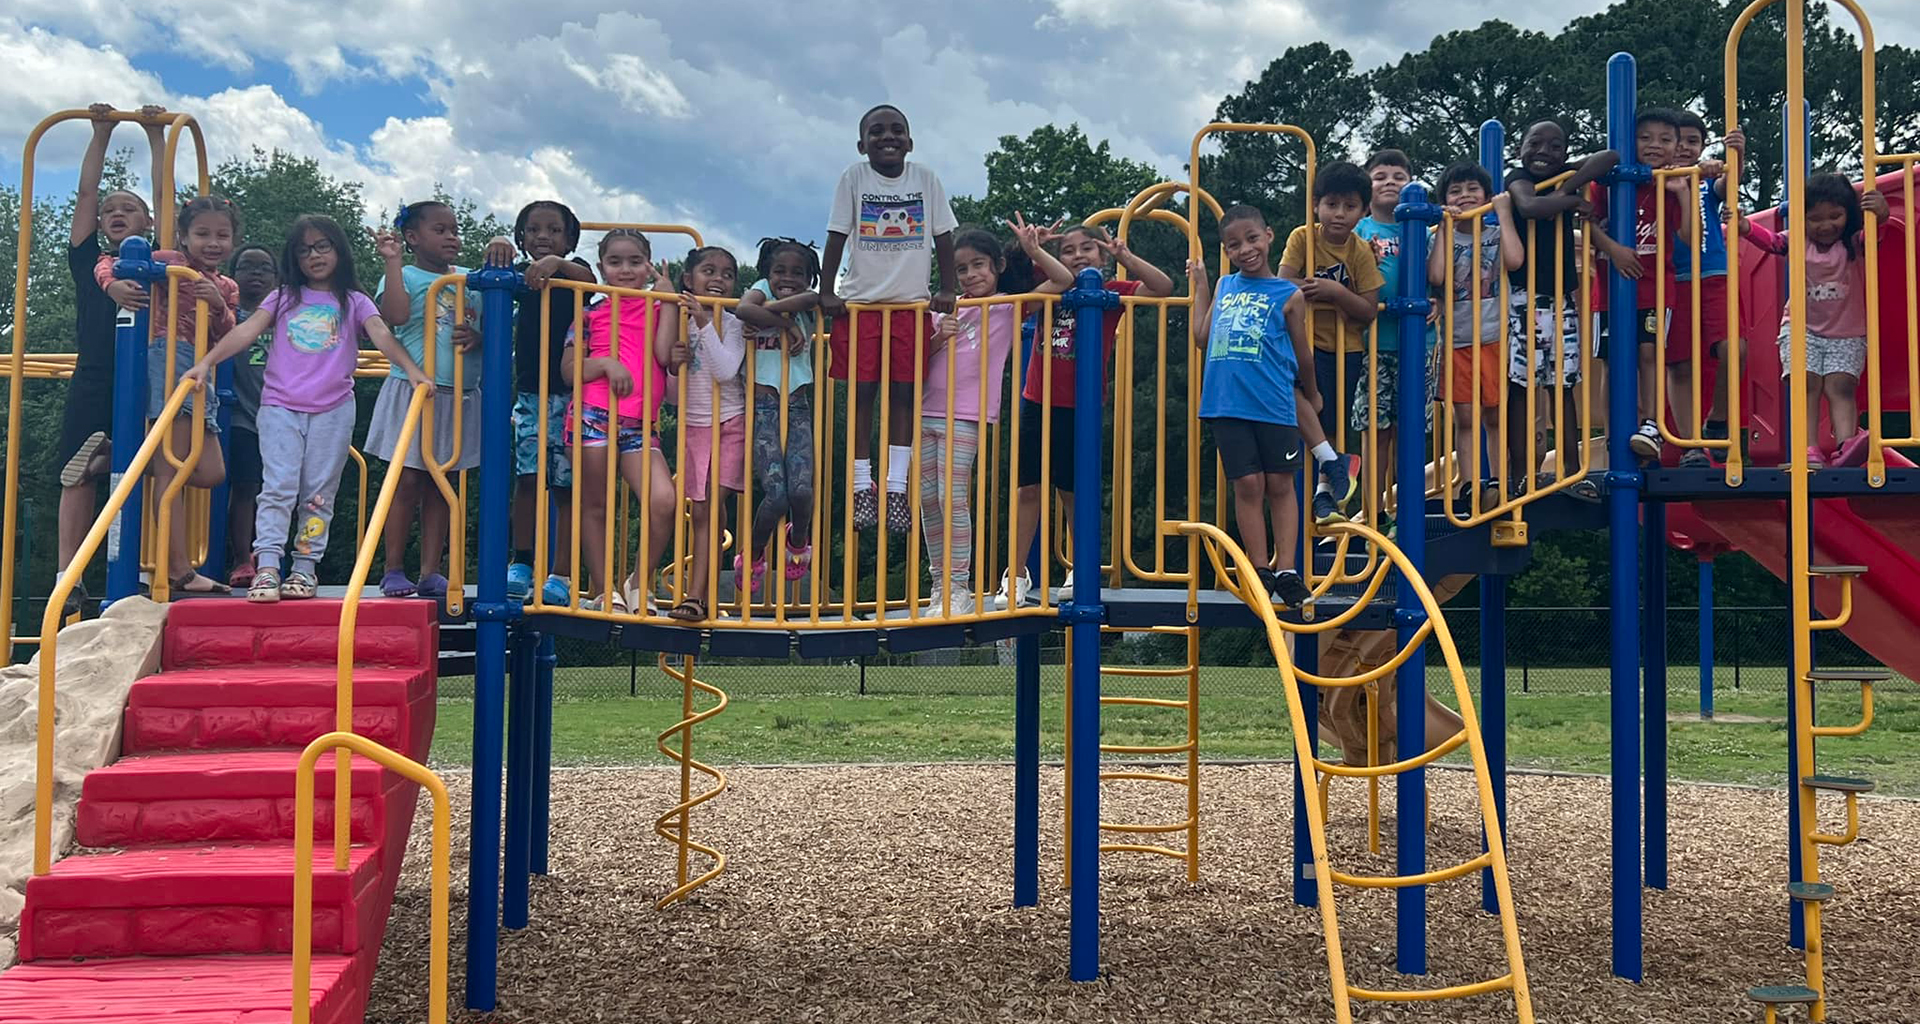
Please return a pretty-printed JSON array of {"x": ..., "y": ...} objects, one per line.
[
  {"x": 1692, "y": 432},
  {"x": 50, "y": 622},
  {"x": 1222, "y": 550},
  {"x": 441, "y": 870}
]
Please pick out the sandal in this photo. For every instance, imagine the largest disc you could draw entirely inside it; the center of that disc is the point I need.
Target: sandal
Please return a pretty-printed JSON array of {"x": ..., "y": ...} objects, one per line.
[
  {"x": 799, "y": 558},
  {"x": 690, "y": 610},
  {"x": 1585, "y": 490},
  {"x": 396, "y": 584},
  {"x": 298, "y": 586},
  {"x": 76, "y": 603},
  {"x": 77, "y": 468},
  {"x": 266, "y": 586},
  {"x": 241, "y": 577},
  {"x": 192, "y": 582},
  {"x": 432, "y": 585}
]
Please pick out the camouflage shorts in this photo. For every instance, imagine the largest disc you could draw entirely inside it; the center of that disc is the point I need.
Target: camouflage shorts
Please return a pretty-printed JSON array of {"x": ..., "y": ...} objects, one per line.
[{"x": 526, "y": 439}]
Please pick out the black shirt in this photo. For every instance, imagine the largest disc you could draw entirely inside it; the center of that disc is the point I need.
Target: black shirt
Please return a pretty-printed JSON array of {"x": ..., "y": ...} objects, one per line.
[
  {"x": 1540, "y": 234},
  {"x": 526, "y": 336},
  {"x": 93, "y": 313}
]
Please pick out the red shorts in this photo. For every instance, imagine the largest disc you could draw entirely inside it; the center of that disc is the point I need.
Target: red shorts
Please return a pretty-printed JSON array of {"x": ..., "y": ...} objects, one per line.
[
  {"x": 1713, "y": 320},
  {"x": 899, "y": 343}
]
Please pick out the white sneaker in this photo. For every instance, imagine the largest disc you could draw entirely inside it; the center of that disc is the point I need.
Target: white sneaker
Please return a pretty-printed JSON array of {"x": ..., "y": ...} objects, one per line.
[
  {"x": 1022, "y": 597},
  {"x": 1645, "y": 442},
  {"x": 1064, "y": 592},
  {"x": 952, "y": 602}
]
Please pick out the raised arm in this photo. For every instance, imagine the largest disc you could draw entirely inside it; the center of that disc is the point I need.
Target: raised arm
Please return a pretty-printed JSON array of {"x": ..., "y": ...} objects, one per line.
[
  {"x": 1569, "y": 194},
  {"x": 1154, "y": 282},
  {"x": 162, "y": 175},
  {"x": 234, "y": 342},
  {"x": 86, "y": 203},
  {"x": 396, "y": 306}
]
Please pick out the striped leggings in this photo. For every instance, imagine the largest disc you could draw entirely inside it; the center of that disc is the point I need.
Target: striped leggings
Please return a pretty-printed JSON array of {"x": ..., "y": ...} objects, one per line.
[{"x": 941, "y": 482}]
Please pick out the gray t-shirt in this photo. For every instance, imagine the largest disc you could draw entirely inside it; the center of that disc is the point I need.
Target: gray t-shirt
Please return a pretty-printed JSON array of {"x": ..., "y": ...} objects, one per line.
[
  {"x": 1493, "y": 319},
  {"x": 249, "y": 377}
]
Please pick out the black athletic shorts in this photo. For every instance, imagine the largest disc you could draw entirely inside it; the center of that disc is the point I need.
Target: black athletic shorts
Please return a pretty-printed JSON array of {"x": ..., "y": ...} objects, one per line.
[
  {"x": 1061, "y": 444},
  {"x": 1250, "y": 447}
]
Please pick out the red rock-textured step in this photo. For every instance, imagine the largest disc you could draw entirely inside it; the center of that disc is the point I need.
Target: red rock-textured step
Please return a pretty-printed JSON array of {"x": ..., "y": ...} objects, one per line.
[
  {"x": 249, "y": 706},
  {"x": 190, "y": 900},
  {"x": 233, "y": 796},
  {"x": 184, "y": 990},
  {"x": 215, "y": 633}
]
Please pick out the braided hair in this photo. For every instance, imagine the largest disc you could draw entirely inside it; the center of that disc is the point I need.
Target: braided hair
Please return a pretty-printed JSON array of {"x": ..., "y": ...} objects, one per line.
[
  {"x": 569, "y": 224},
  {"x": 771, "y": 248}
]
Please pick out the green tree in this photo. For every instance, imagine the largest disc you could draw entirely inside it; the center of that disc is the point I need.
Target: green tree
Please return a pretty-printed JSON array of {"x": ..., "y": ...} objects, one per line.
[
  {"x": 1314, "y": 87},
  {"x": 275, "y": 189},
  {"x": 1431, "y": 103}
]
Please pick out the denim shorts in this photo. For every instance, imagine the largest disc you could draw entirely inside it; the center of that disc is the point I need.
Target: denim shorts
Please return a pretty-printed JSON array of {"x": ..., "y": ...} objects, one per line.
[{"x": 593, "y": 433}]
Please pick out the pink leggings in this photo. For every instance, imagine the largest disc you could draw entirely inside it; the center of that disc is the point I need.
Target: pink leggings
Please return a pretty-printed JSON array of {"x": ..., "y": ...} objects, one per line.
[{"x": 941, "y": 482}]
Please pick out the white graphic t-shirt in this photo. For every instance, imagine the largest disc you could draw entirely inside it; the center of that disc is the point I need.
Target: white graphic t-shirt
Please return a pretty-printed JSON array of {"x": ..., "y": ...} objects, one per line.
[{"x": 890, "y": 224}]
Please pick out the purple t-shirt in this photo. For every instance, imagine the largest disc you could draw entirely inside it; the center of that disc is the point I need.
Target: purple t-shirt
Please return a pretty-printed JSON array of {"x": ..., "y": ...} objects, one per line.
[{"x": 310, "y": 365}]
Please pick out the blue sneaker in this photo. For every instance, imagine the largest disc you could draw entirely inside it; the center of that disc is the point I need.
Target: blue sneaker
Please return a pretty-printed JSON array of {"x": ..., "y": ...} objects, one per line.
[
  {"x": 1341, "y": 475},
  {"x": 519, "y": 582},
  {"x": 558, "y": 590}
]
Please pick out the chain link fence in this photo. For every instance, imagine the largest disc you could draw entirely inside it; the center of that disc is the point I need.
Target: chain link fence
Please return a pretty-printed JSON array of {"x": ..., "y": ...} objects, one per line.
[{"x": 1549, "y": 651}]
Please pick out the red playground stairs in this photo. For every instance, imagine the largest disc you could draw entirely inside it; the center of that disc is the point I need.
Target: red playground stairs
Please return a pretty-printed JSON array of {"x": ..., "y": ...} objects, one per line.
[{"x": 177, "y": 908}]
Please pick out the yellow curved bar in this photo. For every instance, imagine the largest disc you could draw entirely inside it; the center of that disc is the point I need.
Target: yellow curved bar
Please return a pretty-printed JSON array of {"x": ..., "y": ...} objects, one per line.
[
  {"x": 370, "y": 543},
  {"x": 360, "y": 503},
  {"x": 441, "y": 871},
  {"x": 1662, "y": 257},
  {"x": 1427, "y": 995},
  {"x": 1132, "y": 828},
  {"x": 50, "y": 622},
  {"x": 1425, "y": 878},
  {"x": 1853, "y": 826},
  {"x": 1866, "y": 717},
  {"x": 658, "y": 229},
  {"x": 437, "y": 470},
  {"x": 676, "y": 825},
  {"x": 1845, "y": 614},
  {"x": 1164, "y": 851},
  {"x": 162, "y": 582},
  {"x": 1378, "y": 771},
  {"x": 164, "y": 215}
]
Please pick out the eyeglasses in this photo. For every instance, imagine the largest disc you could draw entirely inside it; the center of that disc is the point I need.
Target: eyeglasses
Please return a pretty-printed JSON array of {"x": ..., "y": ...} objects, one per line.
[{"x": 320, "y": 248}]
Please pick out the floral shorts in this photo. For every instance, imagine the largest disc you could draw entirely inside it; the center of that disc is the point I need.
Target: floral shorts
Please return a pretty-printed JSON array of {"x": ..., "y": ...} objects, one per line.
[
  {"x": 593, "y": 433},
  {"x": 1389, "y": 393},
  {"x": 1826, "y": 355},
  {"x": 526, "y": 439}
]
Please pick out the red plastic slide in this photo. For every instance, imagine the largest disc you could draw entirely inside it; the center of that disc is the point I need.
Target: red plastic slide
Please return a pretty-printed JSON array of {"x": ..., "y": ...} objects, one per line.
[{"x": 1877, "y": 532}]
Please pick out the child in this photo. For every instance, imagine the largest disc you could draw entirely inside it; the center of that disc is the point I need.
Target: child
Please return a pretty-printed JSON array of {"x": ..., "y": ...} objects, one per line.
[
  {"x": 1256, "y": 341},
  {"x": 1389, "y": 171},
  {"x": 80, "y": 458},
  {"x": 1478, "y": 324},
  {"x": 629, "y": 384},
  {"x": 1836, "y": 285},
  {"x": 430, "y": 232},
  {"x": 1545, "y": 296},
  {"x": 899, "y": 219},
  {"x": 779, "y": 314},
  {"x": 1655, "y": 134},
  {"x": 1343, "y": 294},
  {"x": 715, "y": 347},
  {"x": 206, "y": 229},
  {"x": 1691, "y": 142},
  {"x": 257, "y": 275},
  {"x": 1080, "y": 247},
  {"x": 306, "y": 411},
  {"x": 954, "y": 377},
  {"x": 547, "y": 232}
]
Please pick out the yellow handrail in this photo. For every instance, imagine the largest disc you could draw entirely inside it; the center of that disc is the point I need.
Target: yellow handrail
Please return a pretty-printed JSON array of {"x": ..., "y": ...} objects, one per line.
[
  {"x": 50, "y": 622},
  {"x": 17, "y": 357},
  {"x": 161, "y": 585},
  {"x": 441, "y": 870},
  {"x": 456, "y": 553},
  {"x": 370, "y": 542}
]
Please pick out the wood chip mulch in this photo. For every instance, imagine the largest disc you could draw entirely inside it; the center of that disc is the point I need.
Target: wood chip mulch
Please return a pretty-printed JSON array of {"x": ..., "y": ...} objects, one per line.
[{"x": 875, "y": 895}]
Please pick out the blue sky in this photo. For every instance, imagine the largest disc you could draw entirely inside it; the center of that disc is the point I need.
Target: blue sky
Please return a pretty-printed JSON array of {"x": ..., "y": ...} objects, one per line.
[{"x": 738, "y": 124}]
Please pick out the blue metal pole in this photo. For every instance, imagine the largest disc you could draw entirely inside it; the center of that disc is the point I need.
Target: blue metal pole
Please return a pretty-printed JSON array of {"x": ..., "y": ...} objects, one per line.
[
  {"x": 1411, "y": 304},
  {"x": 519, "y": 851},
  {"x": 1706, "y": 636},
  {"x": 129, "y": 417},
  {"x": 1493, "y": 710},
  {"x": 543, "y": 665},
  {"x": 1623, "y": 524},
  {"x": 1306, "y": 655},
  {"x": 1026, "y": 771},
  {"x": 1089, "y": 301},
  {"x": 1654, "y": 716},
  {"x": 490, "y": 611}
]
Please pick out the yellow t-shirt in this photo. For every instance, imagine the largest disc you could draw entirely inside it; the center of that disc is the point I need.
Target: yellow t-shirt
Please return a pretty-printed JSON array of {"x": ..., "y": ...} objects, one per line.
[{"x": 1350, "y": 263}]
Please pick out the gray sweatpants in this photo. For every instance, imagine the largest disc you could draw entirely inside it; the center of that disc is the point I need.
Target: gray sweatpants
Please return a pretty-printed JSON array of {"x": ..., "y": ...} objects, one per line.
[{"x": 301, "y": 458}]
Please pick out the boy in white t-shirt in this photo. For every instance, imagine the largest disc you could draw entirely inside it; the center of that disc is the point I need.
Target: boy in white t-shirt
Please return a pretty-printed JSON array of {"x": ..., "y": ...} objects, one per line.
[{"x": 891, "y": 220}]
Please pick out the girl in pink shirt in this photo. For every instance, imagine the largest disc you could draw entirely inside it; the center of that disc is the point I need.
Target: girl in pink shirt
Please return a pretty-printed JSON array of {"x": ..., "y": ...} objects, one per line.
[
  {"x": 618, "y": 396},
  {"x": 955, "y": 373},
  {"x": 1836, "y": 286}
]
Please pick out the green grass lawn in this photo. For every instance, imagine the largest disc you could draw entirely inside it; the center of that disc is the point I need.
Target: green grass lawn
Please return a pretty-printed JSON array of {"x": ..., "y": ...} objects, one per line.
[{"x": 1242, "y": 716}]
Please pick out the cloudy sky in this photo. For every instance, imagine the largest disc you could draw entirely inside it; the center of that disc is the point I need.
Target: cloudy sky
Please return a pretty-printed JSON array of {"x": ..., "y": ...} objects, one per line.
[{"x": 734, "y": 117}]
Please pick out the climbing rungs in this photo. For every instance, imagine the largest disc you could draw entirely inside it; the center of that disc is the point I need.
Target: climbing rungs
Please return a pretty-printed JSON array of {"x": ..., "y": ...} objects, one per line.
[
  {"x": 1135, "y": 672},
  {"x": 1147, "y": 830},
  {"x": 1145, "y": 702},
  {"x": 1403, "y": 881},
  {"x": 1421, "y": 995},
  {"x": 1839, "y": 784},
  {"x": 1445, "y": 747},
  {"x": 1164, "y": 851},
  {"x": 1119, "y": 776},
  {"x": 1836, "y": 570},
  {"x": 1810, "y": 892},
  {"x": 1170, "y": 748},
  {"x": 1848, "y": 675},
  {"x": 1775, "y": 995}
]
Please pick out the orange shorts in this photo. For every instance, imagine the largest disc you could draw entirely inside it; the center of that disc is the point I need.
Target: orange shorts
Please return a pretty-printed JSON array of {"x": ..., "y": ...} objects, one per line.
[
  {"x": 1493, "y": 374},
  {"x": 899, "y": 327}
]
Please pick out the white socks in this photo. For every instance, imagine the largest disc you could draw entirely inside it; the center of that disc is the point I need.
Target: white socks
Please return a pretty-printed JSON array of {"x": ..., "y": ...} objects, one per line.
[
  {"x": 899, "y": 461},
  {"x": 862, "y": 474},
  {"x": 1323, "y": 453}
]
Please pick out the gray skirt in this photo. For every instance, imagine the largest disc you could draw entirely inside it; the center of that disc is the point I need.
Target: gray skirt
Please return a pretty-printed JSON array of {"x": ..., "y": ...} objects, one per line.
[{"x": 390, "y": 415}]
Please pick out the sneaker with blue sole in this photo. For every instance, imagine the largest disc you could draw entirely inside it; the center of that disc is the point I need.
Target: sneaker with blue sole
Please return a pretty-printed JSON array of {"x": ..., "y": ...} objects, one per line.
[
  {"x": 558, "y": 590},
  {"x": 520, "y": 582}
]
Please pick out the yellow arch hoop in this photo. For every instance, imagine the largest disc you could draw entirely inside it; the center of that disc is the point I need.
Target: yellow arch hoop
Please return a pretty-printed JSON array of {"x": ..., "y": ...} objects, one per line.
[
  {"x": 652, "y": 229},
  {"x": 1232, "y": 128}
]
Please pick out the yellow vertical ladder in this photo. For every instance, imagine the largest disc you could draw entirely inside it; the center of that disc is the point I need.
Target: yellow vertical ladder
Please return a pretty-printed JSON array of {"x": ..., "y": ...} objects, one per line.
[
  {"x": 1187, "y": 749},
  {"x": 676, "y": 825}
]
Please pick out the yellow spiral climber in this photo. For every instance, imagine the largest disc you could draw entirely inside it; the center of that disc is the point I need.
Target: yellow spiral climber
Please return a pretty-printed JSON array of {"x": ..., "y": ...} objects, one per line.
[{"x": 676, "y": 825}]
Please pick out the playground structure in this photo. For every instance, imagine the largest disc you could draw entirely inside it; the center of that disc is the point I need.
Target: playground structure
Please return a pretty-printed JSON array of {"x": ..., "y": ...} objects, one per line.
[{"x": 1340, "y": 660}]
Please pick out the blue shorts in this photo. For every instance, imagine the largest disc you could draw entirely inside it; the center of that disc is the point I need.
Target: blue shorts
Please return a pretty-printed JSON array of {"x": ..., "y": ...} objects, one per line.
[
  {"x": 526, "y": 439},
  {"x": 593, "y": 433},
  {"x": 157, "y": 390}
]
